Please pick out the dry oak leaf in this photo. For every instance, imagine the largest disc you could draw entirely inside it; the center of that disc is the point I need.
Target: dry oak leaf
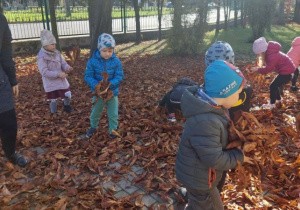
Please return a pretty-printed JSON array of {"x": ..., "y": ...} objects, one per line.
[
  {"x": 60, "y": 156},
  {"x": 108, "y": 203},
  {"x": 138, "y": 201},
  {"x": 249, "y": 146}
]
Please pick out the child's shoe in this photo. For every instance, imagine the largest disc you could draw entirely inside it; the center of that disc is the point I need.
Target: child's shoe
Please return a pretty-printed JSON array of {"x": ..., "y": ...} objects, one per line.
[
  {"x": 90, "y": 132},
  {"x": 183, "y": 193},
  {"x": 268, "y": 106},
  {"x": 294, "y": 88},
  {"x": 171, "y": 117},
  {"x": 18, "y": 159},
  {"x": 68, "y": 109},
  {"x": 112, "y": 136},
  {"x": 278, "y": 104}
]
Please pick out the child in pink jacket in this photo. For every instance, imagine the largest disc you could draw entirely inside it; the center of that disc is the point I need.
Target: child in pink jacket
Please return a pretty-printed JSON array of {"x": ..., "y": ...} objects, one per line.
[
  {"x": 276, "y": 61},
  {"x": 294, "y": 54},
  {"x": 54, "y": 70}
]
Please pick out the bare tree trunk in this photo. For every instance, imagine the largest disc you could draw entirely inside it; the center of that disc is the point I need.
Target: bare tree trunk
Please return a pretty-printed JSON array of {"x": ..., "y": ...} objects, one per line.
[
  {"x": 137, "y": 21},
  {"x": 281, "y": 16},
  {"x": 159, "y": 10},
  {"x": 177, "y": 13},
  {"x": 297, "y": 12},
  {"x": 53, "y": 22},
  {"x": 242, "y": 13},
  {"x": 67, "y": 7},
  {"x": 270, "y": 6},
  {"x": 100, "y": 20},
  {"x": 218, "y": 17},
  {"x": 235, "y": 13},
  {"x": 225, "y": 4}
]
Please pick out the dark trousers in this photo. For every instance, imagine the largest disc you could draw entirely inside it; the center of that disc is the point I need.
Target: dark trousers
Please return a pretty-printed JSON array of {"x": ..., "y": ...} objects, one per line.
[
  {"x": 171, "y": 107},
  {"x": 295, "y": 77},
  {"x": 222, "y": 182},
  {"x": 8, "y": 131},
  {"x": 199, "y": 200},
  {"x": 279, "y": 81}
]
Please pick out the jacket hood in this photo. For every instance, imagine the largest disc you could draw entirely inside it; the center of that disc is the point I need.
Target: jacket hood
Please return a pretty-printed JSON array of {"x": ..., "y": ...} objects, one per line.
[
  {"x": 296, "y": 42},
  {"x": 96, "y": 54},
  {"x": 273, "y": 47},
  {"x": 193, "y": 103}
]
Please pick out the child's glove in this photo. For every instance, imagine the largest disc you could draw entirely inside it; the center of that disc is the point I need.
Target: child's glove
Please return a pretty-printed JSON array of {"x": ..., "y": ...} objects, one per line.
[
  {"x": 69, "y": 70},
  {"x": 253, "y": 69},
  {"x": 62, "y": 75},
  {"x": 248, "y": 160}
]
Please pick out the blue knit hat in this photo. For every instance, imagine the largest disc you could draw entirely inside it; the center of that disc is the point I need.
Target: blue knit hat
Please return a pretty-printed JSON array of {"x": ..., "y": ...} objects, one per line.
[
  {"x": 222, "y": 79},
  {"x": 106, "y": 40}
]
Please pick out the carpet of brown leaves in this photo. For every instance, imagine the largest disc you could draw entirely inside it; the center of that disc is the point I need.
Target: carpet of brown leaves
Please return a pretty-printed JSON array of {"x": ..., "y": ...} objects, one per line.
[{"x": 68, "y": 175}]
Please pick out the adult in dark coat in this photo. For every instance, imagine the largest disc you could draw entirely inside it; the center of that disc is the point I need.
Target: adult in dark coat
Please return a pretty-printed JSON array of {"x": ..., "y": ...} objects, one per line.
[{"x": 8, "y": 87}]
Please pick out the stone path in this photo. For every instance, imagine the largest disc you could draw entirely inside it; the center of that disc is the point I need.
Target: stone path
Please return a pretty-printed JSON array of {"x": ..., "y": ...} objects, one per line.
[{"x": 124, "y": 187}]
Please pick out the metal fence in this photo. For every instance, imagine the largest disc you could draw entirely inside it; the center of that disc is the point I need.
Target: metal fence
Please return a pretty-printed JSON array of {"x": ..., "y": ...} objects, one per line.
[{"x": 27, "y": 18}]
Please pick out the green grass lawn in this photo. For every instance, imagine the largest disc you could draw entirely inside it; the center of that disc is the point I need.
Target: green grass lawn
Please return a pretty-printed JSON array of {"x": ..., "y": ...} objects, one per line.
[
  {"x": 35, "y": 15},
  {"x": 238, "y": 38}
]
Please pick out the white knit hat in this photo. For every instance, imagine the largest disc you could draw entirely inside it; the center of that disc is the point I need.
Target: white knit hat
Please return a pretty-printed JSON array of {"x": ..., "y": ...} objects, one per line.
[
  {"x": 260, "y": 45},
  {"x": 47, "y": 38}
]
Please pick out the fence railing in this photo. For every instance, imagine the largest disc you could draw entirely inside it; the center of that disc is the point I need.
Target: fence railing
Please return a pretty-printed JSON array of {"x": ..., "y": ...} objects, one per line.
[{"x": 27, "y": 22}]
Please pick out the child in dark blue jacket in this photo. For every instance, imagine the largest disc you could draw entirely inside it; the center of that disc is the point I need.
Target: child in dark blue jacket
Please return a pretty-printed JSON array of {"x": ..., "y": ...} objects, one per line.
[
  {"x": 172, "y": 98},
  {"x": 104, "y": 60}
]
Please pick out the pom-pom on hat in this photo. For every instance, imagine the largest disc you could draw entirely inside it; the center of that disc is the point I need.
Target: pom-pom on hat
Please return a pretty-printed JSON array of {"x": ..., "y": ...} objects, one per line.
[
  {"x": 222, "y": 79},
  {"x": 260, "y": 45},
  {"x": 47, "y": 38},
  {"x": 106, "y": 40}
]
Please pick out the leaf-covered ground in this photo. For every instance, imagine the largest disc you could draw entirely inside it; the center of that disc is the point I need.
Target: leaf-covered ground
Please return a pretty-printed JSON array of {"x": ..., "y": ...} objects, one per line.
[{"x": 68, "y": 173}]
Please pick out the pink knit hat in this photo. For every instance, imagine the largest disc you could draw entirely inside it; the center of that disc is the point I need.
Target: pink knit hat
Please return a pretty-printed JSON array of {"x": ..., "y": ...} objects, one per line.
[{"x": 260, "y": 45}]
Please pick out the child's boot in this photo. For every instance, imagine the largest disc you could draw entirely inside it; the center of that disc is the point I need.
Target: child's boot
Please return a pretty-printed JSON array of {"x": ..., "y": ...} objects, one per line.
[
  {"x": 68, "y": 109},
  {"x": 53, "y": 106},
  {"x": 18, "y": 159},
  {"x": 294, "y": 88},
  {"x": 278, "y": 104},
  {"x": 90, "y": 132},
  {"x": 183, "y": 193},
  {"x": 112, "y": 136},
  {"x": 171, "y": 117},
  {"x": 268, "y": 106}
]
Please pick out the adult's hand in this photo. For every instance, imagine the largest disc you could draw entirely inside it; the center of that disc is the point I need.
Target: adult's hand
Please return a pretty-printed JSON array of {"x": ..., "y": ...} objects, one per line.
[{"x": 16, "y": 90}]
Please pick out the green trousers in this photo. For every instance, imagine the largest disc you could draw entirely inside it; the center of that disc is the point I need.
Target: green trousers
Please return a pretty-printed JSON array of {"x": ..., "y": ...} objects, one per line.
[{"x": 112, "y": 112}]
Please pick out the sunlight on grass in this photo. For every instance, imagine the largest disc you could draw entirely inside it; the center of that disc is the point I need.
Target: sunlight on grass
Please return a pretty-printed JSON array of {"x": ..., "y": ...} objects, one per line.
[
  {"x": 238, "y": 38},
  {"x": 153, "y": 47}
]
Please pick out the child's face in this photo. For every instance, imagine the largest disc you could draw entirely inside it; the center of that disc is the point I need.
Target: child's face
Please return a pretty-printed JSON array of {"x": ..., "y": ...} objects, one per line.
[
  {"x": 260, "y": 54},
  {"x": 233, "y": 99},
  {"x": 50, "y": 47},
  {"x": 107, "y": 52}
]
